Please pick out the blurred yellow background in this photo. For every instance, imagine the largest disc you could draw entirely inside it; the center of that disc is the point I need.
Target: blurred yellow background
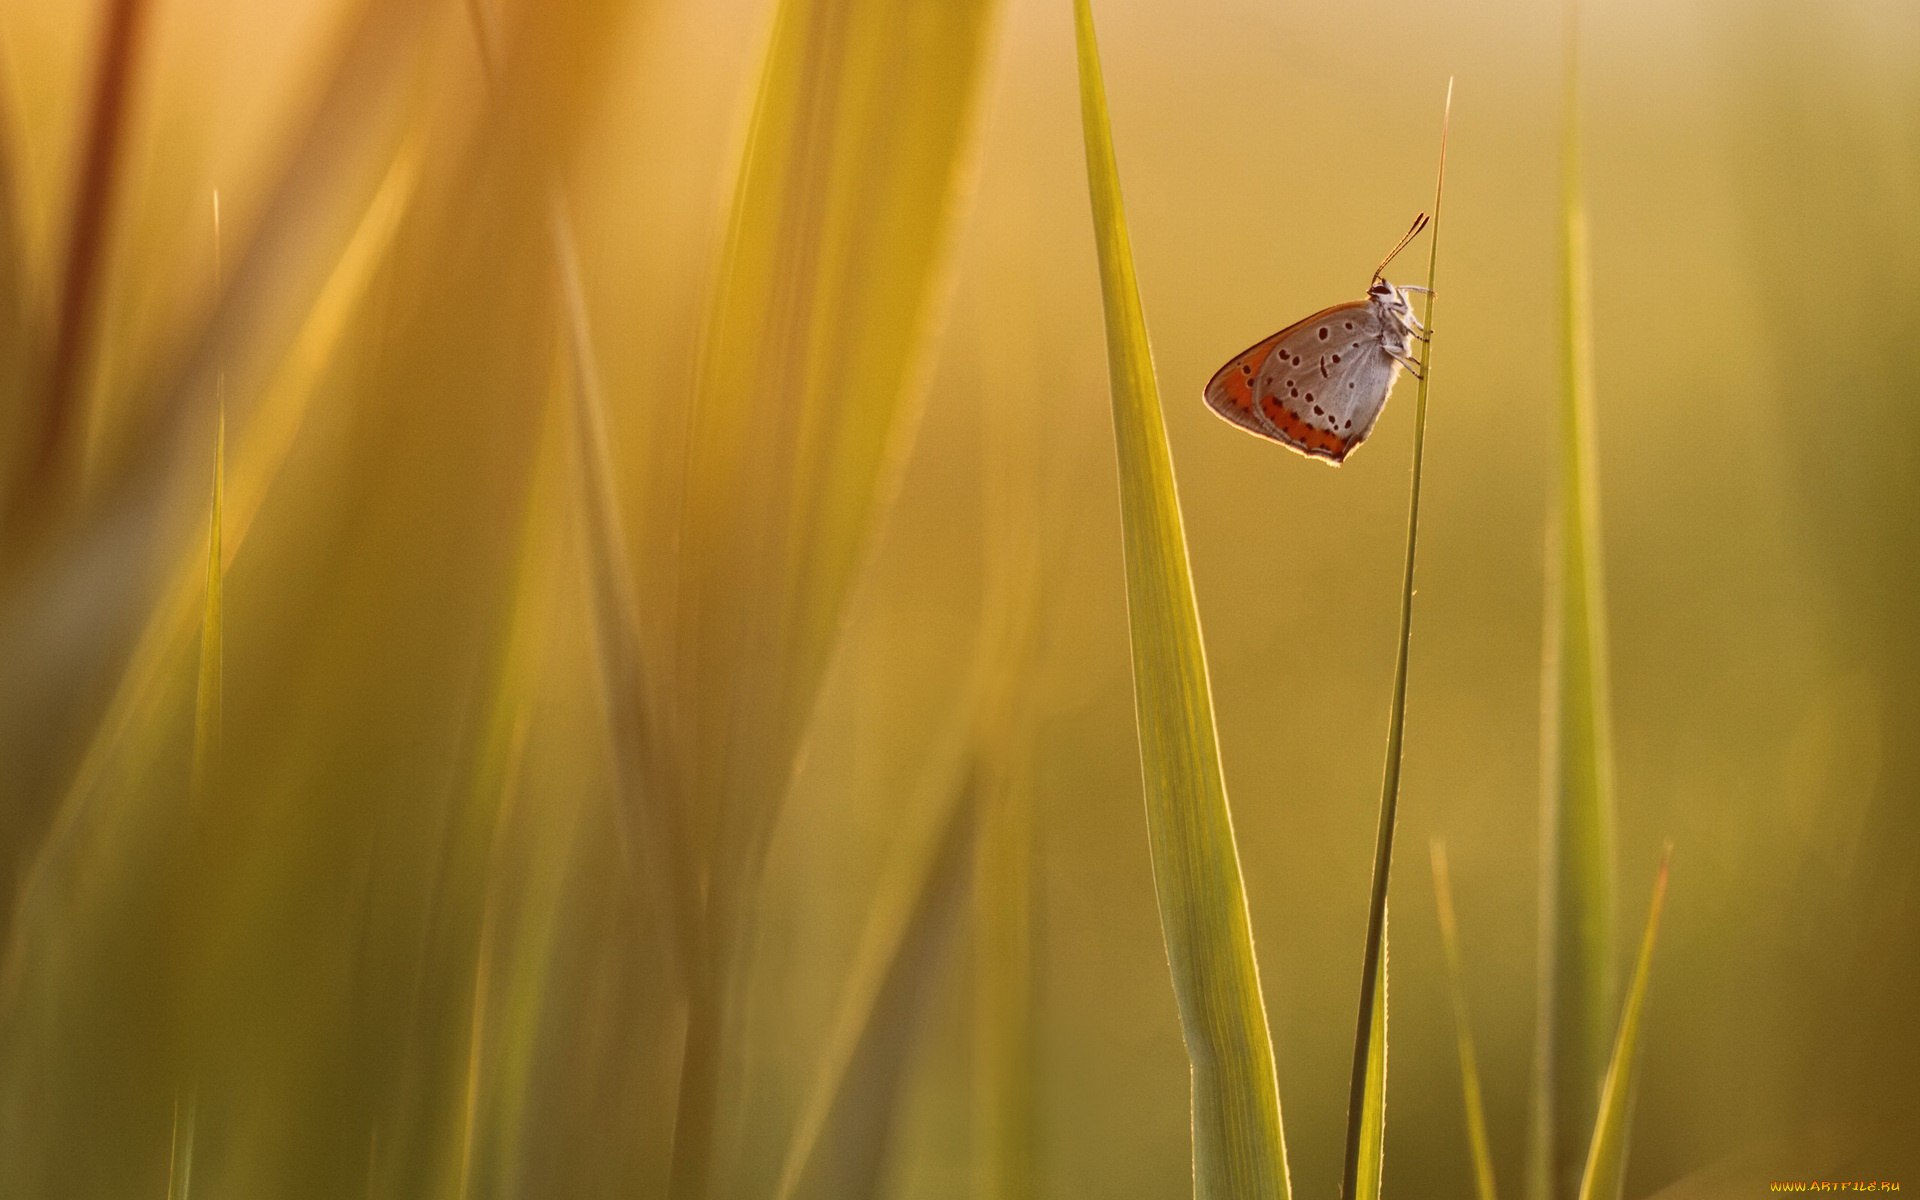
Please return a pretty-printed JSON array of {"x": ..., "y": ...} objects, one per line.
[{"x": 366, "y": 966}]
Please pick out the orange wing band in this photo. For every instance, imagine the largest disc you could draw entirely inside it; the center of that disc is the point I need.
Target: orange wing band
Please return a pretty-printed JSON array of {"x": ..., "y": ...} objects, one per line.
[{"x": 1308, "y": 439}]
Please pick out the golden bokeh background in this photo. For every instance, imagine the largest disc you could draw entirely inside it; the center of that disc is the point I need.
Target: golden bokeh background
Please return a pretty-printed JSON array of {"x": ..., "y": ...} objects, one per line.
[{"x": 364, "y": 965}]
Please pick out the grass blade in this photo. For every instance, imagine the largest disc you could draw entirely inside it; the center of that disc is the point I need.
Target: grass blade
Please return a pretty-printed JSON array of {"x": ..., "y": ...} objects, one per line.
[
  {"x": 180, "y": 1153},
  {"x": 1366, "y": 1095},
  {"x": 1462, "y": 1027},
  {"x": 645, "y": 801},
  {"x": 17, "y": 345},
  {"x": 964, "y": 789},
  {"x": 1004, "y": 1109},
  {"x": 649, "y": 820},
  {"x": 840, "y": 1141},
  {"x": 342, "y": 161},
  {"x": 1372, "y": 1139},
  {"x": 835, "y": 270},
  {"x": 1577, "y": 986},
  {"x": 277, "y": 418},
  {"x": 1238, "y": 1148},
  {"x": 1606, "y": 1168},
  {"x": 88, "y": 237},
  {"x": 910, "y": 907},
  {"x": 208, "y": 697}
]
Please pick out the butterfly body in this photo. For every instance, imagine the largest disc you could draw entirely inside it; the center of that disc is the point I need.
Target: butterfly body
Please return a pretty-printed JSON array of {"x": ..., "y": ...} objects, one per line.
[{"x": 1319, "y": 384}]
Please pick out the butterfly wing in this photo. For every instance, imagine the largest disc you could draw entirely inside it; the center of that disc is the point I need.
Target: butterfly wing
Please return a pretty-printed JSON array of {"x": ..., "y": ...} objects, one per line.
[
  {"x": 1317, "y": 385},
  {"x": 1230, "y": 392}
]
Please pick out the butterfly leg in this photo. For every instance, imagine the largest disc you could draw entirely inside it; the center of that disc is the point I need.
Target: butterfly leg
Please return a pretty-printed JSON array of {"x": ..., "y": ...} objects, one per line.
[{"x": 1413, "y": 368}]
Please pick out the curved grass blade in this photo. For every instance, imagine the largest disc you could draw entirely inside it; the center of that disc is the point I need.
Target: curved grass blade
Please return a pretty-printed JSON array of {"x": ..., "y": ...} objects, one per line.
[
  {"x": 1577, "y": 984},
  {"x": 1239, "y": 1152},
  {"x": 1366, "y": 1100},
  {"x": 1606, "y": 1168},
  {"x": 1462, "y": 1027}
]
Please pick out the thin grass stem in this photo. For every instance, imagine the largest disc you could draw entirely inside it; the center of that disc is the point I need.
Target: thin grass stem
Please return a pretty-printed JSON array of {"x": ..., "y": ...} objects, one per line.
[
  {"x": 1605, "y": 1172},
  {"x": 1463, "y": 1028},
  {"x": 1359, "y": 1107}
]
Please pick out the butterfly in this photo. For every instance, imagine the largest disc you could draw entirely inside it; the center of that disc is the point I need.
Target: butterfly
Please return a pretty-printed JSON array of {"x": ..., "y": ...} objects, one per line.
[{"x": 1319, "y": 384}]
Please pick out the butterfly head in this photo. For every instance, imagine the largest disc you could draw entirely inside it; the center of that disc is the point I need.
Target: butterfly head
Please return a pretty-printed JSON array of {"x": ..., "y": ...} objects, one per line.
[{"x": 1386, "y": 296}]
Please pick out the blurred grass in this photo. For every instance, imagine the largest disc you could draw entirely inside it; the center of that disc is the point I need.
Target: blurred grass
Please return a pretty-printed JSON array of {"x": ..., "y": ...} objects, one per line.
[
  {"x": 209, "y": 705},
  {"x": 1470, "y": 1094},
  {"x": 1238, "y": 1148},
  {"x": 1370, "y": 1142},
  {"x": 16, "y": 336},
  {"x": 1006, "y": 1108},
  {"x": 938, "y": 861},
  {"x": 1604, "y": 1175},
  {"x": 416, "y": 941},
  {"x": 137, "y": 698},
  {"x": 61, "y": 407},
  {"x": 833, "y": 276},
  {"x": 1576, "y": 971}
]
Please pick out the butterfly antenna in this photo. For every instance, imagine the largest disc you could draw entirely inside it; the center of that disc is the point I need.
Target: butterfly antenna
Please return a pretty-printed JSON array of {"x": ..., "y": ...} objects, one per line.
[{"x": 1419, "y": 223}]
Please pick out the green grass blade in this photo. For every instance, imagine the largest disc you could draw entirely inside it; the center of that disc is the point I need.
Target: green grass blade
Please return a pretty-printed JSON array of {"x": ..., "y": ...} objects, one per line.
[
  {"x": 1238, "y": 1148},
  {"x": 1372, "y": 1139},
  {"x": 1606, "y": 1165},
  {"x": 1366, "y": 1098},
  {"x": 1463, "y": 1028},
  {"x": 1577, "y": 985}
]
